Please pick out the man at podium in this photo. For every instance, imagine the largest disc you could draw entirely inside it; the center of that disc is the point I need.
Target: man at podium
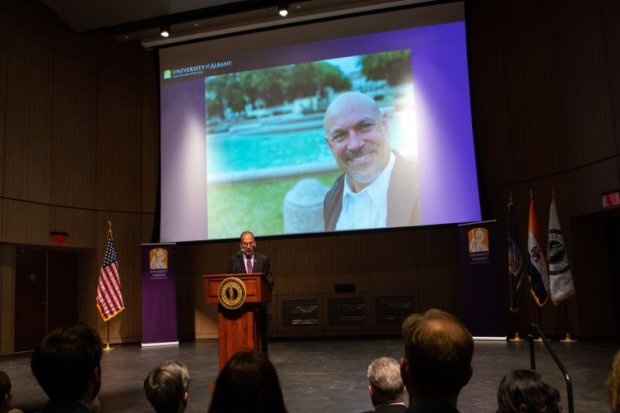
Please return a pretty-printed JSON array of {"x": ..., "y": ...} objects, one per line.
[{"x": 247, "y": 260}]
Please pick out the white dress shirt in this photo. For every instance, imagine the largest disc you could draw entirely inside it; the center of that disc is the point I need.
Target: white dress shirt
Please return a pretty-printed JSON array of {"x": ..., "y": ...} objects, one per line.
[{"x": 367, "y": 208}]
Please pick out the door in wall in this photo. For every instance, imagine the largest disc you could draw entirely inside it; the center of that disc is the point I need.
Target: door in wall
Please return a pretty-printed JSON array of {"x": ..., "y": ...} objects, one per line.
[{"x": 45, "y": 293}]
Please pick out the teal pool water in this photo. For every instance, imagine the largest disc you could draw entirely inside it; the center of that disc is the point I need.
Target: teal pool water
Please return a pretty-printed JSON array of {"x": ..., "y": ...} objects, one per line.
[
  {"x": 258, "y": 149},
  {"x": 230, "y": 153}
]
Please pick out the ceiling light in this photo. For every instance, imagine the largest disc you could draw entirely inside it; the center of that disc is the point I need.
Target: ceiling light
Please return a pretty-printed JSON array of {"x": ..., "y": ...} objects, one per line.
[
  {"x": 165, "y": 32},
  {"x": 283, "y": 10}
]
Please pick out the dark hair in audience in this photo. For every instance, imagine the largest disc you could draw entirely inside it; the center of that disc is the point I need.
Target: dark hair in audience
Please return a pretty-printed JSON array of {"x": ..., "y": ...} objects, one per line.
[
  {"x": 613, "y": 384},
  {"x": 524, "y": 391},
  {"x": 5, "y": 389},
  {"x": 165, "y": 386},
  {"x": 438, "y": 350},
  {"x": 386, "y": 381},
  {"x": 248, "y": 383},
  {"x": 65, "y": 361}
]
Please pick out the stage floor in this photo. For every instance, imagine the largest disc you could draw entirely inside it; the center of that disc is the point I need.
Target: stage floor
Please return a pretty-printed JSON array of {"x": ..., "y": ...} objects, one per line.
[{"x": 329, "y": 375}]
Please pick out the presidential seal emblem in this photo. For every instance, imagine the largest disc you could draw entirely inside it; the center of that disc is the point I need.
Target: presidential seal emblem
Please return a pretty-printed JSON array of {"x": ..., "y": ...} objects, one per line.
[{"x": 231, "y": 293}]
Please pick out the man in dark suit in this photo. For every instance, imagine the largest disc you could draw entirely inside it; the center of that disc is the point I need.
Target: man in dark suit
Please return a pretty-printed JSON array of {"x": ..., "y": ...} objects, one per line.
[
  {"x": 385, "y": 386},
  {"x": 247, "y": 260},
  {"x": 378, "y": 187},
  {"x": 437, "y": 362}
]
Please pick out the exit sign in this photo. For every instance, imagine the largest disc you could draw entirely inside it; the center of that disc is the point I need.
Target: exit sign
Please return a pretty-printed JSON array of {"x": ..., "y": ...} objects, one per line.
[{"x": 611, "y": 199}]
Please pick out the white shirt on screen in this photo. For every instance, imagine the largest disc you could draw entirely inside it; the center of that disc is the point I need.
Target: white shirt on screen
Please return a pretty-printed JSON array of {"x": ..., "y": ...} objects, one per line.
[{"x": 367, "y": 208}]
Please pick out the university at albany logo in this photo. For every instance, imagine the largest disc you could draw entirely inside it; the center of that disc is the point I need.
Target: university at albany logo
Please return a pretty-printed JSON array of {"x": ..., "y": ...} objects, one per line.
[
  {"x": 478, "y": 239},
  {"x": 231, "y": 293}
]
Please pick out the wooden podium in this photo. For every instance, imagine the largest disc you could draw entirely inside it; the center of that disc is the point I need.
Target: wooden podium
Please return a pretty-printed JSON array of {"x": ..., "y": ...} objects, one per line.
[{"x": 238, "y": 329}]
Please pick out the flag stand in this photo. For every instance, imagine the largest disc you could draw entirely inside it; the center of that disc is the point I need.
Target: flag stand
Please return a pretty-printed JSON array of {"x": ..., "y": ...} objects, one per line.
[
  {"x": 539, "y": 339},
  {"x": 567, "y": 338},
  {"x": 516, "y": 338},
  {"x": 107, "y": 338}
]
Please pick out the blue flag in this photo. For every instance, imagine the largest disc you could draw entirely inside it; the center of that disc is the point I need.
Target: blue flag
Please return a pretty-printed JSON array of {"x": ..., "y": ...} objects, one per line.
[{"x": 515, "y": 261}]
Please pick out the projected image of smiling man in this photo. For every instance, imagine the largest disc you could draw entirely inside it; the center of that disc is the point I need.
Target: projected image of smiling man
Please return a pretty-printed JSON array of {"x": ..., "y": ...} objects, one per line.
[{"x": 377, "y": 188}]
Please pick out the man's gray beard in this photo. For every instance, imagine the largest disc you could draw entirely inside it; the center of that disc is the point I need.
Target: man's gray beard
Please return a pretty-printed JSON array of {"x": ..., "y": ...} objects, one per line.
[{"x": 367, "y": 176}]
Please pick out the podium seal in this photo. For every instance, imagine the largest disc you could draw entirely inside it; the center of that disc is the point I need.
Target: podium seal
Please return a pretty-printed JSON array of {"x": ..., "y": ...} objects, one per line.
[{"x": 231, "y": 293}]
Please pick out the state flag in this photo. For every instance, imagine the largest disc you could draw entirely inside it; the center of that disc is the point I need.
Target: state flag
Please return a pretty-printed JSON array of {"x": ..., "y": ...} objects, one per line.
[
  {"x": 537, "y": 266},
  {"x": 560, "y": 276}
]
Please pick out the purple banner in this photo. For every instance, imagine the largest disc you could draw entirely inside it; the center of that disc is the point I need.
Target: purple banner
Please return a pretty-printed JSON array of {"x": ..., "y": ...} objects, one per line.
[
  {"x": 159, "y": 295},
  {"x": 482, "y": 293}
]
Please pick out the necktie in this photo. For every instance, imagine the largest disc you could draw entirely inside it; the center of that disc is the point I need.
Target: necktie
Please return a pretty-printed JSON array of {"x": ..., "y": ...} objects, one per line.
[{"x": 249, "y": 266}]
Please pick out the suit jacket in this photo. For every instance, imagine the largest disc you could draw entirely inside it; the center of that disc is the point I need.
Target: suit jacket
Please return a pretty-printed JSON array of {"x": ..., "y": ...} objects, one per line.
[
  {"x": 431, "y": 408},
  {"x": 236, "y": 265},
  {"x": 389, "y": 408},
  {"x": 402, "y": 198},
  {"x": 75, "y": 407}
]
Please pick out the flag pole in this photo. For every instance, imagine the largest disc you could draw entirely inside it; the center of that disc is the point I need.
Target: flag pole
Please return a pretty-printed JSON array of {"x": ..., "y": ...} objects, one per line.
[
  {"x": 512, "y": 269},
  {"x": 107, "y": 322},
  {"x": 107, "y": 338},
  {"x": 567, "y": 338}
]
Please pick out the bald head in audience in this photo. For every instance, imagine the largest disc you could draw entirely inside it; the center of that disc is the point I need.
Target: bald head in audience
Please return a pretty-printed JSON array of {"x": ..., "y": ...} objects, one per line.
[{"x": 437, "y": 361}]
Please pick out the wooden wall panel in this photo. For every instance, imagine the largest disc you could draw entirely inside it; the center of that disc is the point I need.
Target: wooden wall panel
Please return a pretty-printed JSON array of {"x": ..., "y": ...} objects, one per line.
[
  {"x": 30, "y": 18},
  {"x": 119, "y": 137},
  {"x": 90, "y": 263},
  {"x": 148, "y": 222},
  {"x": 78, "y": 223},
  {"x": 150, "y": 135},
  {"x": 74, "y": 143},
  {"x": 25, "y": 223},
  {"x": 610, "y": 16},
  {"x": 588, "y": 183},
  {"x": 490, "y": 115},
  {"x": 593, "y": 285},
  {"x": 438, "y": 269},
  {"x": 4, "y": 52},
  {"x": 7, "y": 301},
  {"x": 28, "y": 120},
  {"x": 581, "y": 70}
]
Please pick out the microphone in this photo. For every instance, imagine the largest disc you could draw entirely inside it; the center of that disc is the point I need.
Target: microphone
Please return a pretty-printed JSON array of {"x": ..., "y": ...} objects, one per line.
[{"x": 236, "y": 263}]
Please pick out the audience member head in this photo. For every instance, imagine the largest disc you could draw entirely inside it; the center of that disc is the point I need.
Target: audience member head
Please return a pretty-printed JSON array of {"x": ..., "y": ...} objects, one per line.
[
  {"x": 524, "y": 391},
  {"x": 385, "y": 384},
  {"x": 438, "y": 353},
  {"x": 613, "y": 384},
  {"x": 166, "y": 387},
  {"x": 248, "y": 383},
  {"x": 5, "y": 392},
  {"x": 67, "y": 364}
]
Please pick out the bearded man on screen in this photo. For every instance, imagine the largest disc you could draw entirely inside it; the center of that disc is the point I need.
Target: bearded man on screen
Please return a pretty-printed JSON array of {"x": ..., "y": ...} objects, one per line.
[{"x": 377, "y": 188}]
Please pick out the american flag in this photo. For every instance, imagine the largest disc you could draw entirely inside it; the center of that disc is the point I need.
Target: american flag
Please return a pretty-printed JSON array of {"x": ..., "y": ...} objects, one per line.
[{"x": 109, "y": 296}]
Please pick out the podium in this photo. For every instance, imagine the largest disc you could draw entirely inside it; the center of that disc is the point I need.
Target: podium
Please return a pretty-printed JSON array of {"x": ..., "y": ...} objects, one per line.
[{"x": 240, "y": 328}]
